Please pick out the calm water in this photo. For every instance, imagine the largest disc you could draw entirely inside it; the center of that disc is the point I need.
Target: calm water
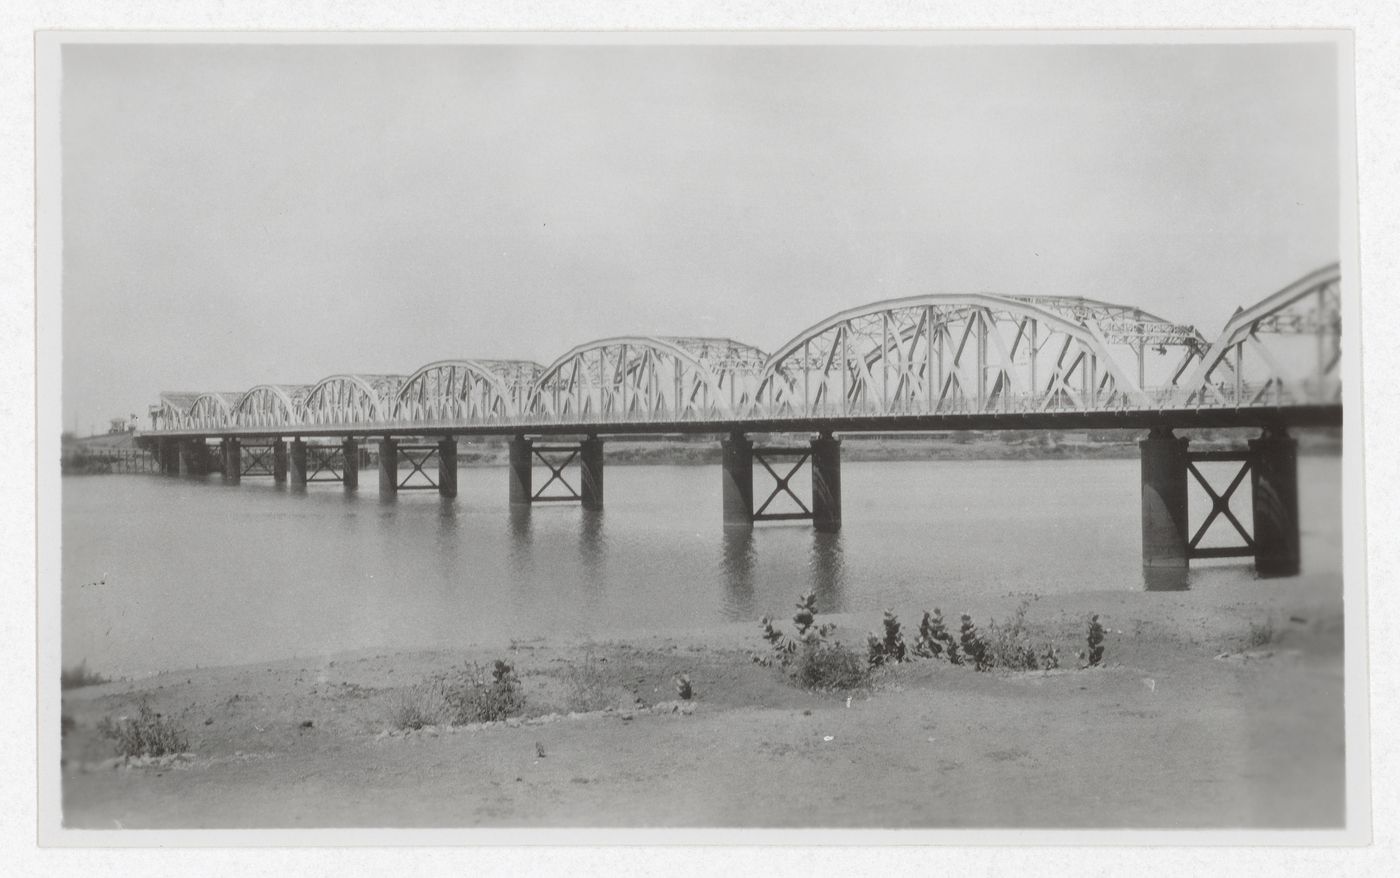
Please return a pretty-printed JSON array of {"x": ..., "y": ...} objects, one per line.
[{"x": 166, "y": 573}]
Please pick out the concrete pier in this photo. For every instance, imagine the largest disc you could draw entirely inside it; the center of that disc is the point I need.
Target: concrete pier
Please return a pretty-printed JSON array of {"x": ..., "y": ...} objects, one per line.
[
  {"x": 447, "y": 467},
  {"x": 297, "y": 462},
  {"x": 233, "y": 460},
  {"x": 826, "y": 483},
  {"x": 591, "y": 472},
  {"x": 279, "y": 461},
  {"x": 168, "y": 456},
  {"x": 521, "y": 471},
  {"x": 1165, "y": 538},
  {"x": 194, "y": 457},
  {"x": 736, "y": 469},
  {"x": 388, "y": 466},
  {"x": 350, "y": 451},
  {"x": 1274, "y": 479}
]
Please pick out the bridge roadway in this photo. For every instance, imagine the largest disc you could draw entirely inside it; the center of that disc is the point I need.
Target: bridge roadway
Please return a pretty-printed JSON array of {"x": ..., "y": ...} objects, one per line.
[{"x": 930, "y": 363}]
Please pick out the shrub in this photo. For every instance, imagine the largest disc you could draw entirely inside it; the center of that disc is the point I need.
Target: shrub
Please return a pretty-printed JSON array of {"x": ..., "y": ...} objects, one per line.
[
  {"x": 471, "y": 698},
  {"x": 934, "y": 640},
  {"x": 587, "y": 691},
  {"x": 782, "y": 647},
  {"x": 890, "y": 650},
  {"x": 1261, "y": 634},
  {"x": 683, "y": 687},
  {"x": 828, "y": 666},
  {"x": 422, "y": 705},
  {"x": 973, "y": 646},
  {"x": 1009, "y": 645},
  {"x": 73, "y": 678},
  {"x": 149, "y": 734},
  {"x": 1094, "y": 654}
]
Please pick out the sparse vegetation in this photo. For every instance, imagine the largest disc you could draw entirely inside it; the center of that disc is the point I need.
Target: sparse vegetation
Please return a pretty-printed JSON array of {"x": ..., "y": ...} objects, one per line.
[
  {"x": 889, "y": 650},
  {"x": 1009, "y": 645},
  {"x": 74, "y": 678},
  {"x": 810, "y": 658},
  {"x": 934, "y": 640},
  {"x": 1094, "y": 654},
  {"x": 1261, "y": 633},
  {"x": 683, "y": 689},
  {"x": 973, "y": 646},
  {"x": 419, "y": 706},
  {"x": 587, "y": 690},
  {"x": 149, "y": 734},
  {"x": 471, "y": 698}
]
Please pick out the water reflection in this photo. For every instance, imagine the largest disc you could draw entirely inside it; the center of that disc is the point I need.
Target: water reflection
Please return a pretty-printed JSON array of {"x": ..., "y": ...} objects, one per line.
[
  {"x": 736, "y": 569},
  {"x": 1166, "y": 578},
  {"x": 592, "y": 549},
  {"x": 828, "y": 567}
]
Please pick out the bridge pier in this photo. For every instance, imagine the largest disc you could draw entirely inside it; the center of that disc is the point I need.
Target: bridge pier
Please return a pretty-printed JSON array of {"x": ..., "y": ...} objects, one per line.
[
  {"x": 826, "y": 483},
  {"x": 1164, "y": 500},
  {"x": 233, "y": 460},
  {"x": 350, "y": 473},
  {"x": 591, "y": 473},
  {"x": 736, "y": 469},
  {"x": 388, "y": 466},
  {"x": 194, "y": 457},
  {"x": 279, "y": 461},
  {"x": 447, "y": 467},
  {"x": 297, "y": 461},
  {"x": 168, "y": 456},
  {"x": 1274, "y": 480},
  {"x": 521, "y": 471}
]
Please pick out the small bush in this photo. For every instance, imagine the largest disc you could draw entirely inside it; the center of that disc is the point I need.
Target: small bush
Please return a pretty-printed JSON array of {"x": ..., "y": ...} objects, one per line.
[
  {"x": 1094, "y": 654},
  {"x": 891, "y": 649},
  {"x": 934, "y": 640},
  {"x": 1009, "y": 646},
  {"x": 784, "y": 648},
  {"x": 422, "y": 705},
  {"x": 828, "y": 667},
  {"x": 471, "y": 698},
  {"x": 1261, "y": 634},
  {"x": 683, "y": 689},
  {"x": 973, "y": 646},
  {"x": 74, "y": 678},
  {"x": 149, "y": 734},
  {"x": 587, "y": 690}
]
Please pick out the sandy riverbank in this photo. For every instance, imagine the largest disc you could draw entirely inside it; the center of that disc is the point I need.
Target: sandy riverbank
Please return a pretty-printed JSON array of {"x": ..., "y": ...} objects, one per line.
[{"x": 1186, "y": 725}]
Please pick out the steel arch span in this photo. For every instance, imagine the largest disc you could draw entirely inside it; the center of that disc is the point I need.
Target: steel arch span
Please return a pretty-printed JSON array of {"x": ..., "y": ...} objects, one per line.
[
  {"x": 350, "y": 399},
  {"x": 270, "y": 405},
  {"x": 649, "y": 378},
  {"x": 945, "y": 354},
  {"x": 471, "y": 391},
  {"x": 1286, "y": 349},
  {"x": 205, "y": 411}
]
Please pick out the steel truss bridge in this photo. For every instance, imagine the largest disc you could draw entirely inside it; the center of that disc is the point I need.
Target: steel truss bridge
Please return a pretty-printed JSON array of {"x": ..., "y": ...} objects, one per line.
[{"x": 924, "y": 363}]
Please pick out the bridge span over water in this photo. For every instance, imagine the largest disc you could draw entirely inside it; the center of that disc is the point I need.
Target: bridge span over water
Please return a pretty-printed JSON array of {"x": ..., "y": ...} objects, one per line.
[{"x": 926, "y": 363}]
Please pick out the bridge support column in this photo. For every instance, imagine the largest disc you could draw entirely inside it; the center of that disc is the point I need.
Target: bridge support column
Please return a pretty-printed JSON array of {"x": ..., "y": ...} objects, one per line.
[
  {"x": 388, "y": 466},
  {"x": 1164, "y": 518},
  {"x": 1274, "y": 479},
  {"x": 591, "y": 472},
  {"x": 279, "y": 461},
  {"x": 194, "y": 457},
  {"x": 350, "y": 473},
  {"x": 233, "y": 460},
  {"x": 826, "y": 483},
  {"x": 297, "y": 462},
  {"x": 447, "y": 467},
  {"x": 736, "y": 464},
  {"x": 521, "y": 471},
  {"x": 168, "y": 456}
]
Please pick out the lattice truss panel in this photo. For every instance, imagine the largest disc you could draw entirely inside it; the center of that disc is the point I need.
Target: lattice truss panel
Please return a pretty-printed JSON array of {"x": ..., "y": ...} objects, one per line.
[
  {"x": 649, "y": 378},
  {"x": 1286, "y": 349},
  {"x": 271, "y": 405},
  {"x": 351, "y": 399},
  {"x": 466, "y": 391},
  {"x": 945, "y": 354}
]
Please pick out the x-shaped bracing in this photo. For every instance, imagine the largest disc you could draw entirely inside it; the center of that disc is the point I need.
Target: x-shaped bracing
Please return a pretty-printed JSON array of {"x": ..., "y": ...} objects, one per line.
[
  {"x": 782, "y": 486},
  {"x": 1220, "y": 504},
  {"x": 417, "y": 458},
  {"x": 257, "y": 459},
  {"x": 325, "y": 460},
  {"x": 556, "y": 474}
]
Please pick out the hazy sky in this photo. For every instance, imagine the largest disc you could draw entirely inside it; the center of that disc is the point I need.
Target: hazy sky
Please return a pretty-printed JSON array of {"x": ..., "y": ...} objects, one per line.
[{"x": 235, "y": 215}]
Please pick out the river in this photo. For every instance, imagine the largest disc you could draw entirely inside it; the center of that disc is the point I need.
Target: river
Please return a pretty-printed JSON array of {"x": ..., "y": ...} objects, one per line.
[{"x": 162, "y": 573}]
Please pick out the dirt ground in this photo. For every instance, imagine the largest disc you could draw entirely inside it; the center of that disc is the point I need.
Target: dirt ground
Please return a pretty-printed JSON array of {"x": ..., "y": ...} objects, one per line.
[{"x": 1214, "y": 709}]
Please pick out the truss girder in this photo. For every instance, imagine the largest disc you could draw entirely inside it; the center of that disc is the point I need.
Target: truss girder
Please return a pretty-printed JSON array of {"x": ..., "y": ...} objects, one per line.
[
  {"x": 634, "y": 378},
  {"x": 466, "y": 391},
  {"x": 938, "y": 354},
  {"x": 351, "y": 399},
  {"x": 1283, "y": 350},
  {"x": 270, "y": 405}
]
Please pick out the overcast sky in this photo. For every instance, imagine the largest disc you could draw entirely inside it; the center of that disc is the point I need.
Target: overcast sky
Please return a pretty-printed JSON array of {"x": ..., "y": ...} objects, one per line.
[{"x": 235, "y": 215}]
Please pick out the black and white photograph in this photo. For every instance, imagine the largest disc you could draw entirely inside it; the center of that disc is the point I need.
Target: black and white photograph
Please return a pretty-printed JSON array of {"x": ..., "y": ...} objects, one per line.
[{"x": 590, "y": 431}]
